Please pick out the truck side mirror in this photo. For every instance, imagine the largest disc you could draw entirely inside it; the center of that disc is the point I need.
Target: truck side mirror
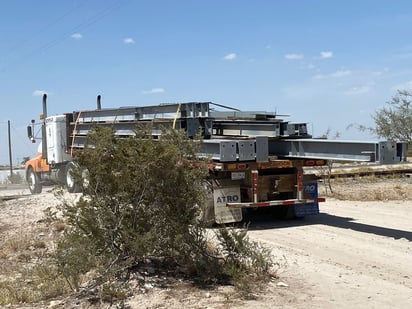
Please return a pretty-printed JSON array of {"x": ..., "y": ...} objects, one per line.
[{"x": 30, "y": 134}]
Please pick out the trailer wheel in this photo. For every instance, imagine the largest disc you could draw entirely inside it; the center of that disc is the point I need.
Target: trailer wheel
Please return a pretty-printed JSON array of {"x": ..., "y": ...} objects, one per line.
[
  {"x": 283, "y": 212},
  {"x": 72, "y": 183},
  {"x": 33, "y": 180}
]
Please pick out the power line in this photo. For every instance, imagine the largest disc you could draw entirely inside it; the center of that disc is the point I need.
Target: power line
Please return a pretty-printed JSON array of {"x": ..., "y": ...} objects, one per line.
[
  {"x": 20, "y": 44},
  {"x": 82, "y": 26},
  {"x": 17, "y": 132}
]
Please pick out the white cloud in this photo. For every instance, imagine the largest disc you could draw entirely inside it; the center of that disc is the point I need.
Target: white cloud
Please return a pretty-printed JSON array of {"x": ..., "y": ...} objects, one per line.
[
  {"x": 294, "y": 56},
  {"x": 405, "y": 52},
  {"x": 319, "y": 76},
  {"x": 153, "y": 91},
  {"x": 76, "y": 36},
  {"x": 341, "y": 73},
  {"x": 337, "y": 74},
  {"x": 231, "y": 56},
  {"x": 128, "y": 41},
  {"x": 326, "y": 54},
  {"x": 357, "y": 90},
  {"x": 403, "y": 86},
  {"x": 38, "y": 93}
]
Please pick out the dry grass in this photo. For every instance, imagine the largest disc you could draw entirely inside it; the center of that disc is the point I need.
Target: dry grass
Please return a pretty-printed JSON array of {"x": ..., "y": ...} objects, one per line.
[
  {"x": 370, "y": 188},
  {"x": 26, "y": 274}
]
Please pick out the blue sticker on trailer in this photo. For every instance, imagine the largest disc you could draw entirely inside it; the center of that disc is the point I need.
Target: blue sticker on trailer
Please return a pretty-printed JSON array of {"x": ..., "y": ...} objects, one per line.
[{"x": 310, "y": 191}]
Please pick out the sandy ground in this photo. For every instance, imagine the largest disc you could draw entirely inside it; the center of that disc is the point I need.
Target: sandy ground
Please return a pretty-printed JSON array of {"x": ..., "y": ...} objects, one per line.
[{"x": 355, "y": 254}]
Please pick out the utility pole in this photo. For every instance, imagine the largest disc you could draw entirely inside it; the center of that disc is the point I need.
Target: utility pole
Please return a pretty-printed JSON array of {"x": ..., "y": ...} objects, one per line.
[{"x": 11, "y": 161}]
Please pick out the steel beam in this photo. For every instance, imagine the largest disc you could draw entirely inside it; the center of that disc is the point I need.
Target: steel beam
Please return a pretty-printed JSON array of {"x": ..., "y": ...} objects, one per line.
[{"x": 383, "y": 152}]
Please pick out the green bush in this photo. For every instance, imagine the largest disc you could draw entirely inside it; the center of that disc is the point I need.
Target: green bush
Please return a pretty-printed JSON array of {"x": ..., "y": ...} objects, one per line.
[{"x": 140, "y": 206}]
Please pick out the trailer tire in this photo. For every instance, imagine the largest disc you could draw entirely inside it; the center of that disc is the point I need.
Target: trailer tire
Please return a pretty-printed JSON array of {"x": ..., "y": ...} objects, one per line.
[
  {"x": 284, "y": 212},
  {"x": 72, "y": 181},
  {"x": 33, "y": 179}
]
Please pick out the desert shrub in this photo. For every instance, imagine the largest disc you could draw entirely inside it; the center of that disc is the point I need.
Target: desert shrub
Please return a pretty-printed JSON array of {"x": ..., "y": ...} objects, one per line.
[
  {"x": 140, "y": 206},
  {"x": 246, "y": 263},
  {"x": 15, "y": 178}
]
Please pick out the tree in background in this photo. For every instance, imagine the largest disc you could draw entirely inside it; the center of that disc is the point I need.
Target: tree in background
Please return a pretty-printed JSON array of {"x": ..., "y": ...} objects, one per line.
[{"x": 394, "y": 121}]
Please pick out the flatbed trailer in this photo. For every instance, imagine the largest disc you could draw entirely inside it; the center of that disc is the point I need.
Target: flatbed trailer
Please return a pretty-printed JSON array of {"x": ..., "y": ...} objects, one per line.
[{"x": 256, "y": 160}]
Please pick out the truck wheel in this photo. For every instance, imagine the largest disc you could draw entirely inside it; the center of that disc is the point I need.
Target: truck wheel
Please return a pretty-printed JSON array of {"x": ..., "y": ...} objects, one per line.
[
  {"x": 33, "y": 180},
  {"x": 72, "y": 183}
]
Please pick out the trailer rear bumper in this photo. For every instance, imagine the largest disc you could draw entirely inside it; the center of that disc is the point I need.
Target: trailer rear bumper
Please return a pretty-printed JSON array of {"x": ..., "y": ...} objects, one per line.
[{"x": 276, "y": 203}]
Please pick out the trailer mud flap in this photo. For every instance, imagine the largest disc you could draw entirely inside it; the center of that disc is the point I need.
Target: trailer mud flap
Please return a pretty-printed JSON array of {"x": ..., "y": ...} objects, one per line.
[
  {"x": 310, "y": 191},
  {"x": 223, "y": 214}
]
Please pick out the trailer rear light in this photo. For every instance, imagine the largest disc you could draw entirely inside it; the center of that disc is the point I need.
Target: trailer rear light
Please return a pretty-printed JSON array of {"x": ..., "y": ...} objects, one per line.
[
  {"x": 314, "y": 162},
  {"x": 218, "y": 167},
  {"x": 231, "y": 167},
  {"x": 228, "y": 167}
]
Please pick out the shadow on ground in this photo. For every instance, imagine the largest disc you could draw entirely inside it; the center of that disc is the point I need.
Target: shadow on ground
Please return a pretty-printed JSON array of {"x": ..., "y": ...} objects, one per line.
[{"x": 264, "y": 221}]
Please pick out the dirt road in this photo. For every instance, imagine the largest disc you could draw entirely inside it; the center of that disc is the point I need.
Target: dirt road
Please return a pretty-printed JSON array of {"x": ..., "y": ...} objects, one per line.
[{"x": 354, "y": 255}]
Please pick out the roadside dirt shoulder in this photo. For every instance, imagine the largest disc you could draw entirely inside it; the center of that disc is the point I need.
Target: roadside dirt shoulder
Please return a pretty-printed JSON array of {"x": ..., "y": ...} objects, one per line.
[{"x": 354, "y": 254}]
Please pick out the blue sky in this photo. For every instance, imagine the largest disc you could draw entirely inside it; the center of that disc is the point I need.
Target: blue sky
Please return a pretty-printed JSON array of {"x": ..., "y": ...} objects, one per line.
[{"x": 328, "y": 63}]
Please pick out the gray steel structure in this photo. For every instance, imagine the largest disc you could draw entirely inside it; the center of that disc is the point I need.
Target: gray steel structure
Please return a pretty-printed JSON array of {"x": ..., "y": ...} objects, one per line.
[
  {"x": 340, "y": 150},
  {"x": 233, "y": 136}
]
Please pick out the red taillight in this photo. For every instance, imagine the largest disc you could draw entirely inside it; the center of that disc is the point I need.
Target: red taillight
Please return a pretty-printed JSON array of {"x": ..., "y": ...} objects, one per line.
[{"x": 314, "y": 162}]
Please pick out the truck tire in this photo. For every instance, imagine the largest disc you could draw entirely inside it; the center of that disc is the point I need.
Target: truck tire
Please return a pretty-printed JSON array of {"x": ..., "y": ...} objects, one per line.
[
  {"x": 33, "y": 179},
  {"x": 72, "y": 181}
]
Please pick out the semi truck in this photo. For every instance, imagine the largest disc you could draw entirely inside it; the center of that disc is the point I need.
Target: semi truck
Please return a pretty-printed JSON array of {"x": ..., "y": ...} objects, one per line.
[{"x": 256, "y": 159}]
